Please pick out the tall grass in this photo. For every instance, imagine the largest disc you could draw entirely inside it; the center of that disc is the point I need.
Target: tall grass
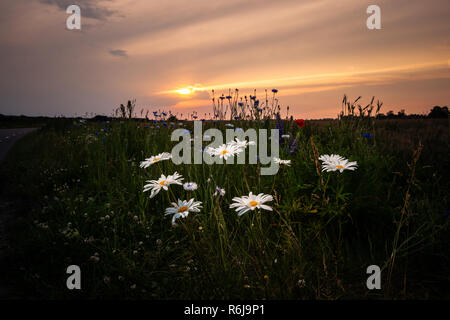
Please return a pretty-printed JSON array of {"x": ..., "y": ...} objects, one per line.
[{"x": 84, "y": 188}]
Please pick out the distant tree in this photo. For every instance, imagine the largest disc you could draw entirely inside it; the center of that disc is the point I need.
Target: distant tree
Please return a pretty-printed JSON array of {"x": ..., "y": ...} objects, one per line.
[
  {"x": 438, "y": 112},
  {"x": 390, "y": 114},
  {"x": 401, "y": 114}
]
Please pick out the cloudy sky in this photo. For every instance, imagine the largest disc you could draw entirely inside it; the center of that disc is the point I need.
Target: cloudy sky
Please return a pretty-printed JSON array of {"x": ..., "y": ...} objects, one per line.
[{"x": 312, "y": 51}]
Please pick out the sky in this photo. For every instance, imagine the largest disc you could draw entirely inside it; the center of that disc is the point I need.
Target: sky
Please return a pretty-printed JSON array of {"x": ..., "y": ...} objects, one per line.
[{"x": 313, "y": 52}]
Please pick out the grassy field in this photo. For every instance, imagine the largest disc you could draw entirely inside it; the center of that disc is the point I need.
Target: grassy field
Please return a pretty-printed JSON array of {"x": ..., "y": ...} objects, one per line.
[{"x": 78, "y": 189}]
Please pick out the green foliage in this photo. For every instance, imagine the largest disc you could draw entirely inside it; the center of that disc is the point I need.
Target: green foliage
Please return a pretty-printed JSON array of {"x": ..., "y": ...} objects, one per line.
[{"x": 84, "y": 188}]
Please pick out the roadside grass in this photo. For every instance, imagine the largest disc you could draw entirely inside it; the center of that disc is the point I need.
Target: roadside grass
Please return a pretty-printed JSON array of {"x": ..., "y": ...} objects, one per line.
[{"x": 80, "y": 189}]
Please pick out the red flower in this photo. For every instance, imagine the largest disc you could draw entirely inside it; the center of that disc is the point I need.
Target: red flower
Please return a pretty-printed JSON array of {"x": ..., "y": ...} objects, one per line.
[{"x": 300, "y": 123}]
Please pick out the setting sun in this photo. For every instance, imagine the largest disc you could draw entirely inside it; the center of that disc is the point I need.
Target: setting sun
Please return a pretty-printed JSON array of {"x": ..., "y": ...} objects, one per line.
[{"x": 184, "y": 91}]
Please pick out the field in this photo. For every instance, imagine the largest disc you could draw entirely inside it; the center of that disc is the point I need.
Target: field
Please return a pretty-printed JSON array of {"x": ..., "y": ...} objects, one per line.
[{"x": 77, "y": 191}]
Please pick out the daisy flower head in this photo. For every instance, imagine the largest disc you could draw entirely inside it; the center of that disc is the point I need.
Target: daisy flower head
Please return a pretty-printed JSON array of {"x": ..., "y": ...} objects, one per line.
[
  {"x": 242, "y": 144},
  {"x": 251, "y": 202},
  {"x": 325, "y": 158},
  {"x": 182, "y": 209},
  {"x": 224, "y": 151},
  {"x": 336, "y": 163},
  {"x": 285, "y": 136},
  {"x": 190, "y": 186},
  {"x": 162, "y": 183},
  {"x": 149, "y": 161},
  {"x": 283, "y": 162},
  {"x": 219, "y": 191}
]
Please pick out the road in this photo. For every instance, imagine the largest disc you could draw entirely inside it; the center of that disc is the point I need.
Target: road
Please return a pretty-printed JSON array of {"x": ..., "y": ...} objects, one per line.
[{"x": 10, "y": 136}]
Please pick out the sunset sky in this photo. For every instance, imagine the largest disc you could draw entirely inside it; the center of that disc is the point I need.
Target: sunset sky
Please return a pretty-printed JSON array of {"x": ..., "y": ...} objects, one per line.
[{"x": 312, "y": 51}]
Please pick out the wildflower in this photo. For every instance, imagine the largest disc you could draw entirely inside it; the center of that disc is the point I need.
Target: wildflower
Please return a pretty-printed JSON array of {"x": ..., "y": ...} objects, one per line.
[
  {"x": 284, "y": 162},
  {"x": 246, "y": 286},
  {"x": 162, "y": 183},
  {"x": 182, "y": 209},
  {"x": 95, "y": 257},
  {"x": 149, "y": 161},
  {"x": 367, "y": 135},
  {"x": 300, "y": 123},
  {"x": 250, "y": 202},
  {"x": 190, "y": 186},
  {"x": 266, "y": 277},
  {"x": 200, "y": 228},
  {"x": 89, "y": 240},
  {"x": 241, "y": 144},
  {"x": 106, "y": 279},
  {"x": 274, "y": 90},
  {"x": 219, "y": 191},
  {"x": 224, "y": 151},
  {"x": 336, "y": 162},
  {"x": 285, "y": 136}
]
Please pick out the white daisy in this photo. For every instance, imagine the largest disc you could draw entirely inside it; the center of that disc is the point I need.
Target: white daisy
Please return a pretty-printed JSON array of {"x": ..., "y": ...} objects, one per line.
[
  {"x": 284, "y": 162},
  {"x": 219, "y": 191},
  {"x": 285, "y": 136},
  {"x": 330, "y": 158},
  {"x": 149, "y": 161},
  {"x": 162, "y": 183},
  {"x": 182, "y": 209},
  {"x": 336, "y": 162},
  {"x": 242, "y": 144},
  {"x": 251, "y": 202},
  {"x": 229, "y": 125},
  {"x": 224, "y": 151},
  {"x": 190, "y": 186}
]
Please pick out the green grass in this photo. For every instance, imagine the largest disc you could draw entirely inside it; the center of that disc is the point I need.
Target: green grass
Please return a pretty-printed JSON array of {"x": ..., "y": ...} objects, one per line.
[{"x": 81, "y": 194}]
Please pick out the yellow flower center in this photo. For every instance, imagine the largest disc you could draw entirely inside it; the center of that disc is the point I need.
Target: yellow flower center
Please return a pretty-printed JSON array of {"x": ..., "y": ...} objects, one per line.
[
  {"x": 163, "y": 182},
  {"x": 339, "y": 166},
  {"x": 156, "y": 159},
  {"x": 224, "y": 152},
  {"x": 253, "y": 203},
  {"x": 183, "y": 209}
]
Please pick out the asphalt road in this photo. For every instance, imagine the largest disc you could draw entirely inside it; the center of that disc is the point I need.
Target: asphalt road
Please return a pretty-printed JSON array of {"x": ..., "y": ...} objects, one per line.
[{"x": 10, "y": 136}]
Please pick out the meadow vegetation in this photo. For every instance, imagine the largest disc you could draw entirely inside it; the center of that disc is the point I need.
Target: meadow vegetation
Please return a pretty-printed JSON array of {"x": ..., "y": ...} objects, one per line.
[{"x": 79, "y": 191}]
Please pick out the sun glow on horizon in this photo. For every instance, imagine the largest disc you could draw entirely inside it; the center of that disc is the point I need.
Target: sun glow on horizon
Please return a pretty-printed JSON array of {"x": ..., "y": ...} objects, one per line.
[{"x": 184, "y": 91}]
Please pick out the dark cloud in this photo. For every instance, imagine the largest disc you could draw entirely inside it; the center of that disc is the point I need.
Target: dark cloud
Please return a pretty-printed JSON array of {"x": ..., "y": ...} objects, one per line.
[
  {"x": 118, "y": 53},
  {"x": 89, "y": 8}
]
